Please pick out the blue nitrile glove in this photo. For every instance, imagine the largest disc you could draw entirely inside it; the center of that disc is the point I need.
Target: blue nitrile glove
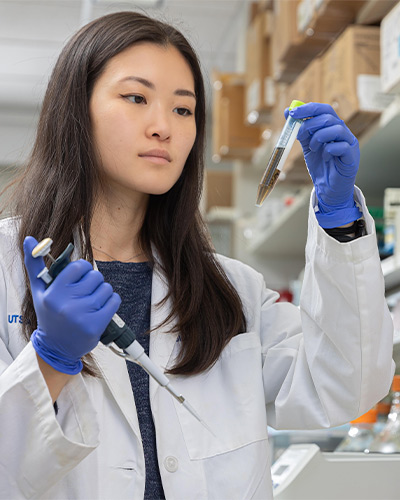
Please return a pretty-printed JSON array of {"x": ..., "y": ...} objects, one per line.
[
  {"x": 332, "y": 157},
  {"x": 72, "y": 313}
]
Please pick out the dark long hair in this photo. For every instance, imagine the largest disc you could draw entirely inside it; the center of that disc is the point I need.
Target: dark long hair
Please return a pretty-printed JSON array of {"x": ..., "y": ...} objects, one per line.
[{"x": 56, "y": 193}]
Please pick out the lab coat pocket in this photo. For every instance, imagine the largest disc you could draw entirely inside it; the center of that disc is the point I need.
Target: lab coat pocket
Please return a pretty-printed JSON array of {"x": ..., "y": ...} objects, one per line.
[{"x": 229, "y": 398}]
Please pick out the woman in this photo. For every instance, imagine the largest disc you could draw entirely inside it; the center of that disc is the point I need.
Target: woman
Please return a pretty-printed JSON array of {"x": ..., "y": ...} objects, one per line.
[{"x": 117, "y": 168}]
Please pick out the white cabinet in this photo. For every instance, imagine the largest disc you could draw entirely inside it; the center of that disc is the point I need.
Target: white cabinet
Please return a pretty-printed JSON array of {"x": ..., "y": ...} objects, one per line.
[
  {"x": 380, "y": 155},
  {"x": 287, "y": 234}
]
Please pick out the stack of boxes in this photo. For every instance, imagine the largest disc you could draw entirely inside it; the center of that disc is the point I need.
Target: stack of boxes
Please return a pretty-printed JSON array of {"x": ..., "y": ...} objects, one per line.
[
  {"x": 390, "y": 51},
  {"x": 351, "y": 77},
  {"x": 232, "y": 138},
  {"x": 260, "y": 88},
  {"x": 311, "y": 50}
]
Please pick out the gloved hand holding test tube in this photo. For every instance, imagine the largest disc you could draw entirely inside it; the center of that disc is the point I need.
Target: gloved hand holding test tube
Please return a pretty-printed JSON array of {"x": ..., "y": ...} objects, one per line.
[
  {"x": 279, "y": 155},
  {"x": 117, "y": 332}
]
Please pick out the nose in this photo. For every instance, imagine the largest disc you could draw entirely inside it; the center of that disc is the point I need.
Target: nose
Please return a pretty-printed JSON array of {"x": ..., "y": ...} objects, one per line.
[{"x": 159, "y": 124}]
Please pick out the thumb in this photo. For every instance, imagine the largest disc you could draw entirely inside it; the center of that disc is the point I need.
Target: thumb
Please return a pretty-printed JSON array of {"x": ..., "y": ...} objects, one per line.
[
  {"x": 286, "y": 113},
  {"x": 32, "y": 264}
]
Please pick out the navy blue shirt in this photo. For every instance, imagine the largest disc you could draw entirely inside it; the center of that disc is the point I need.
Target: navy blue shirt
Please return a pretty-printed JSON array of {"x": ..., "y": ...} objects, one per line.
[{"x": 132, "y": 281}]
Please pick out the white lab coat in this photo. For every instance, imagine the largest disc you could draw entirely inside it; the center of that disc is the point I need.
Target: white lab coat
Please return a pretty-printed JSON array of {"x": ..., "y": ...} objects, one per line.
[{"x": 319, "y": 367}]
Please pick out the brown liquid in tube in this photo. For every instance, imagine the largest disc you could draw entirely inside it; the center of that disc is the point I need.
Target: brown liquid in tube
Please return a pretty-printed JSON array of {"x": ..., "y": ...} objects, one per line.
[{"x": 270, "y": 177}]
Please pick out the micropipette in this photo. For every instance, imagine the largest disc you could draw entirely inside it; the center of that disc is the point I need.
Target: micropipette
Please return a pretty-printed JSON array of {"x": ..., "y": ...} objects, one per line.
[
  {"x": 117, "y": 332},
  {"x": 279, "y": 155}
]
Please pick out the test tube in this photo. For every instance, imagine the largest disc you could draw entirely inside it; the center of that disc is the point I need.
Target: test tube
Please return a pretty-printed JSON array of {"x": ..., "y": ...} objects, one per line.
[{"x": 279, "y": 155}]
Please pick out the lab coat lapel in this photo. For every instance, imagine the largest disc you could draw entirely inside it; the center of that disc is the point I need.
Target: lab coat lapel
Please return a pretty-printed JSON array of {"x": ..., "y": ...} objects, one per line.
[
  {"x": 162, "y": 342},
  {"x": 114, "y": 371}
]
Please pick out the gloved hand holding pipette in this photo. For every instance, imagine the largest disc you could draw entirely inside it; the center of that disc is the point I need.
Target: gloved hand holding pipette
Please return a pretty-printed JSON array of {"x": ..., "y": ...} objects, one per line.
[
  {"x": 76, "y": 311},
  {"x": 332, "y": 156},
  {"x": 72, "y": 313}
]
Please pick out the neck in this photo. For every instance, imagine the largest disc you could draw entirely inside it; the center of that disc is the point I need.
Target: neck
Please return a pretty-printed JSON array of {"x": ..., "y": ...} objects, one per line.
[{"x": 115, "y": 229}]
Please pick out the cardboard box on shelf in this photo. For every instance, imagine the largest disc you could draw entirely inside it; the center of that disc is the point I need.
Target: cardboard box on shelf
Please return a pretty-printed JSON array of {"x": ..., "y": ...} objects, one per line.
[
  {"x": 284, "y": 36},
  {"x": 269, "y": 22},
  {"x": 307, "y": 88},
  {"x": 308, "y": 85},
  {"x": 278, "y": 118},
  {"x": 218, "y": 188},
  {"x": 331, "y": 17},
  {"x": 253, "y": 11},
  {"x": 284, "y": 39},
  {"x": 264, "y": 5},
  {"x": 390, "y": 51},
  {"x": 285, "y": 12},
  {"x": 373, "y": 11},
  {"x": 260, "y": 95},
  {"x": 350, "y": 77},
  {"x": 306, "y": 28},
  {"x": 305, "y": 14},
  {"x": 232, "y": 138},
  {"x": 292, "y": 50}
]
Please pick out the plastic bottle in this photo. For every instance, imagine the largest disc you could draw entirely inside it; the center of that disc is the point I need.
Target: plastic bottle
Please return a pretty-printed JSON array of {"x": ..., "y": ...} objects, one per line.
[
  {"x": 388, "y": 440},
  {"x": 361, "y": 433}
]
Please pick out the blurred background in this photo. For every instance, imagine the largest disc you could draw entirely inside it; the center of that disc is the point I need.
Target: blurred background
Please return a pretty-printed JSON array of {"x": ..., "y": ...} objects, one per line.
[{"x": 256, "y": 57}]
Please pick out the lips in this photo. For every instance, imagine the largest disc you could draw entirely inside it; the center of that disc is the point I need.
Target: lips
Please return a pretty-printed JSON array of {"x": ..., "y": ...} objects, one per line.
[{"x": 156, "y": 153}]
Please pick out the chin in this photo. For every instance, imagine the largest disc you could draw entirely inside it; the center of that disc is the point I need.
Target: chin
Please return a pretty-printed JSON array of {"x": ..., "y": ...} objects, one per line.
[
  {"x": 158, "y": 188},
  {"x": 160, "y": 191}
]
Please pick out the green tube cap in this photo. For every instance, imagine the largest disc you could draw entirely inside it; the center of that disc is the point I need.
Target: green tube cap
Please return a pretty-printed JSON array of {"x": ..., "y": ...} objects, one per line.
[{"x": 295, "y": 104}]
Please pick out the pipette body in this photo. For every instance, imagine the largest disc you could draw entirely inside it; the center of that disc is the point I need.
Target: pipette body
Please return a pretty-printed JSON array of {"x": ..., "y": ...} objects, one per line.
[
  {"x": 117, "y": 332},
  {"x": 120, "y": 334},
  {"x": 279, "y": 155}
]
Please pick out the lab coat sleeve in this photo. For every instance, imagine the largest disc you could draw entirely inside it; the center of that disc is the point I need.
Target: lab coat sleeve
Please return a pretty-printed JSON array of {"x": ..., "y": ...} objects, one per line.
[
  {"x": 36, "y": 448},
  {"x": 331, "y": 361}
]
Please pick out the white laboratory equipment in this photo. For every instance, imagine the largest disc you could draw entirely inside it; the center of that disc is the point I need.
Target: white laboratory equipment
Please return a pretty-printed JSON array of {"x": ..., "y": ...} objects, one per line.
[{"x": 303, "y": 472}]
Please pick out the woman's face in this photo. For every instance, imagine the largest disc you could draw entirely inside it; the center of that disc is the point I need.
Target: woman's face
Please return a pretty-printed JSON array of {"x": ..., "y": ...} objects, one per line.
[{"x": 143, "y": 122}]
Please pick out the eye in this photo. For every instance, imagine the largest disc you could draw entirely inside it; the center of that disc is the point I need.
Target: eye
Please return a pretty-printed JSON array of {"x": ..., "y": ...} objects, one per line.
[
  {"x": 183, "y": 111},
  {"x": 136, "y": 99}
]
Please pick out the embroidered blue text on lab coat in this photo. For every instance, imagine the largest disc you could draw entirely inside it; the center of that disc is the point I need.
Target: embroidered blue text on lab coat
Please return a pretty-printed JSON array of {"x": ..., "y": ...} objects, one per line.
[{"x": 15, "y": 318}]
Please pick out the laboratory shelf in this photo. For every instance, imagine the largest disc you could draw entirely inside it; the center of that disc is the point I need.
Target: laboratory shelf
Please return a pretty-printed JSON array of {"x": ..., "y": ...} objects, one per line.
[
  {"x": 287, "y": 234},
  {"x": 396, "y": 348},
  {"x": 380, "y": 155},
  {"x": 391, "y": 273},
  {"x": 379, "y": 169}
]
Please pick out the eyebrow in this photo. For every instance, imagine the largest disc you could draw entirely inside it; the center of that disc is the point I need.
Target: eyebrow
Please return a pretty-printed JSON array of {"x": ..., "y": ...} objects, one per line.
[{"x": 150, "y": 85}]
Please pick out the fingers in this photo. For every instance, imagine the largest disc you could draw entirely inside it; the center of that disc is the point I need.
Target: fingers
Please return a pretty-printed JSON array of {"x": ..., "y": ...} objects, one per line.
[
  {"x": 334, "y": 133},
  {"x": 73, "y": 273},
  {"x": 33, "y": 265},
  {"x": 99, "y": 297},
  {"x": 345, "y": 154},
  {"x": 312, "y": 109},
  {"x": 286, "y": 113},
  {"x": 88, "y": 283},
  {"x": 312, "y": 125},
  {"x": 107, "y": 311}
]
